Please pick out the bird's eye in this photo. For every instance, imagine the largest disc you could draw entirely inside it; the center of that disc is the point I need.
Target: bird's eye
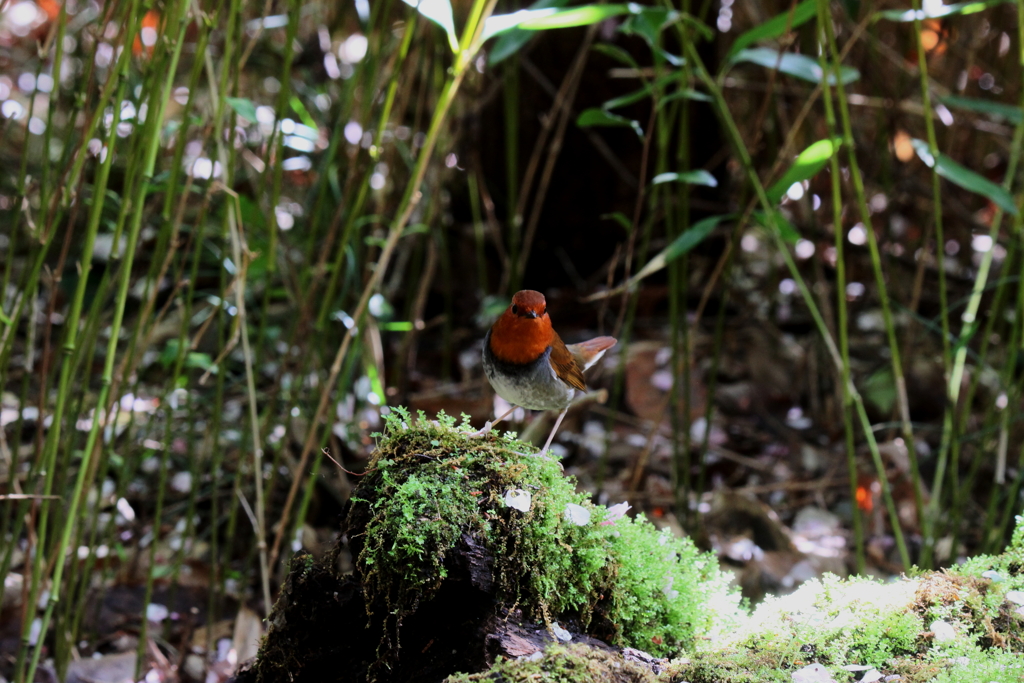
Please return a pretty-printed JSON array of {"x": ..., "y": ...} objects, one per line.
[
  {"x": 515, "y": 310},
  {"x": 545, "y": 311}
]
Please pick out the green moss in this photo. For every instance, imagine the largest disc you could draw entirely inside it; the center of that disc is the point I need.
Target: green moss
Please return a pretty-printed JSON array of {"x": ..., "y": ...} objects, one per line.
[
  {"x": 430, "y": 487},
  {"x": 983, "y": 666},
  {"x": 834, "y": 622},
  {"x": 888, "y": 626},
  {"x": 654, "y": 578},
  {"x": 566, "y": 664},
  {"x": 1017, "y": 540},
  {"x": 738, "y": 665}
]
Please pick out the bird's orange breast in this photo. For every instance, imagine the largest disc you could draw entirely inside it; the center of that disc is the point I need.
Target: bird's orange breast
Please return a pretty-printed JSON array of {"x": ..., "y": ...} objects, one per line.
[{"x": 520, "y": 340}]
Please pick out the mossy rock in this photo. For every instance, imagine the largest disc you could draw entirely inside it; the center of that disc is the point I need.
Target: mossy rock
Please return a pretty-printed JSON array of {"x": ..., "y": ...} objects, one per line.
[{"x": 548, "y": 550}]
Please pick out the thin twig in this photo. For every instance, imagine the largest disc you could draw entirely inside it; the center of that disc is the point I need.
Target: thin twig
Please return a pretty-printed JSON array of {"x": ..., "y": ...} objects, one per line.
[{"x": 326, "y": 451}]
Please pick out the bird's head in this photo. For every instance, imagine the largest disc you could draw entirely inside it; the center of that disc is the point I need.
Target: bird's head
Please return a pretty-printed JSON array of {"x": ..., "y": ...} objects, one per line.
[
  {"x": 523, "y": 332},
  {"x": 528, "y": 304}
]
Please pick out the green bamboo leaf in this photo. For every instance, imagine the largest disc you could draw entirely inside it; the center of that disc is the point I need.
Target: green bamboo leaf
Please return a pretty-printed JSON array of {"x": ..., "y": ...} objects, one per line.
[
  {"x": 683, "y": 244},
  {"x": 619, "y": 218},
  {"x": 546, "y": 14},
  {"x": 4, "y": 319},
  {"x": 439, "y": 12},
  {"x": 640, "y": 94},
  {"x": 243, "y": 107},
  {"x": 600, "y": 117},
  {"x": 616, "y": 53},
  {"x": 807, "y": 164},
  {"x": 303, "y": 113},
  {"x": 788, "y": 231},
  {"x": 879, "y": 389},
  {"x": 964, "y": 177},
  {"x": 697, "y": 177},
  {"x": 776, "y": 26},
  {"x": 697, "y": 25},
  {"x": 935, "y": 12},
  {"x": 586, "y": 15},
  {"x": 797, "y": 66},
  {"x": 776, "y": 221},
  {"x": 687, "y": 241},
  {"x": 648, "y": 22},
  {"x": 1009, "y": 112},
  {"x": 685, "y": 94},
  {"x": 397, "y": 326},
  {"x": 512, "y": 39},
  {"x": 674, "y": 60}
]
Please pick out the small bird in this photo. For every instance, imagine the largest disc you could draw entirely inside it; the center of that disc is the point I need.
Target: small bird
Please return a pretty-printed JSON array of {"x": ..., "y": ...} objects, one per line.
[{"x": 530, "y": 366}]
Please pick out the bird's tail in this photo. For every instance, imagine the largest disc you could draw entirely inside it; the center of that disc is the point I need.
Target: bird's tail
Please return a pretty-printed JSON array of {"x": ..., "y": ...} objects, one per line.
[{"x": 589, "y": 352}]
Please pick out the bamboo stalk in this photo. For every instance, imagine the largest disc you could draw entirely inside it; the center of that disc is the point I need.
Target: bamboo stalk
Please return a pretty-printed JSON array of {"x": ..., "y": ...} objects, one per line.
[{"x": 739, "y": 147}]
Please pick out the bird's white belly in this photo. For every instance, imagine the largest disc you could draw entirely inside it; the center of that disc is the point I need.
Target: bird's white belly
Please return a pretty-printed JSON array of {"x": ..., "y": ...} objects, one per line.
[{"x": 534, "y": 386}]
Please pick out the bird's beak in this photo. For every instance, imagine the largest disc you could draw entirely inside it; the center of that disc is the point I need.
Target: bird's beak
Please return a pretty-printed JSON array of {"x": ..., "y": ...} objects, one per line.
[{"x": 531, "y": 314}]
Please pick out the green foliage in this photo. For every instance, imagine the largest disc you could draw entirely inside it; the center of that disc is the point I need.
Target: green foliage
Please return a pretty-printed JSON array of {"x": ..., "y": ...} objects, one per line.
[
  {"x": 964, "y": 177},
  {"x": 880, "y": 390},
  {"x": 776, "y": 26},
  {"x": 560, "y": 558},
  {"x": 193, "y": 359},
  {"x": 937, "y": 11},
  {"x": 681, "y": 245},
  {"x": 795, "y": 65},
  {"x": 597, "y": 116},
  {"x": 998, "y": 110},
  {"x": 805, "y": 167},
  {"x": 575, "y": 16},
  {"x": 775, "y": 221},
  {"x": 697, "y": 177},
  {"x": 648, "y": 90},
  {"x": 439, "y": 12},
  {"x": 243, "y": 107},
  {"x": 511, "y": 41}
]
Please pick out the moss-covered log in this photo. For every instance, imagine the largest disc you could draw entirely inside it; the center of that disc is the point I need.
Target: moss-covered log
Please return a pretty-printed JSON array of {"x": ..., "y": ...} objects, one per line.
[{"x": 466, "y": 550}]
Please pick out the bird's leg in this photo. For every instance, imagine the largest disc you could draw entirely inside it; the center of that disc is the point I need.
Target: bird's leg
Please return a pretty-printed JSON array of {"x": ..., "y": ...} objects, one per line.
[
  {"x": 554, "y": 429},
  {"x": 488, "y": 426}
]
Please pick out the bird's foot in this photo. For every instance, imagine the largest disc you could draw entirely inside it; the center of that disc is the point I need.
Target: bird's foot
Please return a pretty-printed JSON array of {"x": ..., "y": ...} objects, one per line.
[{"x": 483, "y": 432}]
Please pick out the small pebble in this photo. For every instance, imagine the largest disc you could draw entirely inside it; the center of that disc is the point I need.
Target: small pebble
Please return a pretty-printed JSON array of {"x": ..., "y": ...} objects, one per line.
[{"x": 942, "y": 630}]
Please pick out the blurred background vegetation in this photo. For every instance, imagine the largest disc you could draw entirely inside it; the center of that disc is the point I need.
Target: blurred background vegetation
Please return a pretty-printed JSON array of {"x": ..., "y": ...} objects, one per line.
[{"x": 231, "y": 234}]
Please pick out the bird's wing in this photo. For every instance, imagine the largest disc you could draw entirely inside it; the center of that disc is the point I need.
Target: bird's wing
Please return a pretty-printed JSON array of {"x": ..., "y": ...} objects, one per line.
[{"x": 564, "y": 364}]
